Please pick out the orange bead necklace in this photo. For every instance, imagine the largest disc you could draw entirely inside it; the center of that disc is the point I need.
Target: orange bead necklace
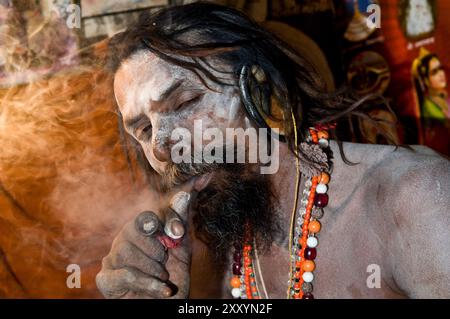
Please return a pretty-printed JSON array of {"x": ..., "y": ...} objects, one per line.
[{"x": 305, "y": 240}]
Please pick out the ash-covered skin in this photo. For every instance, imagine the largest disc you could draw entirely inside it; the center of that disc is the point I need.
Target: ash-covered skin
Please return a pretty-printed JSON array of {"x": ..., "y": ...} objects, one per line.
[
  {"x": 139, "y": 94},
  {"x": 388, "y": 210}
]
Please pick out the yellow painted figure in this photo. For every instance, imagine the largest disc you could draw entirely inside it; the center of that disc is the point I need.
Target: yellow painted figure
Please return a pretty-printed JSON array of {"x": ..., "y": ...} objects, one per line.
[{"x": 431, "y": 89}]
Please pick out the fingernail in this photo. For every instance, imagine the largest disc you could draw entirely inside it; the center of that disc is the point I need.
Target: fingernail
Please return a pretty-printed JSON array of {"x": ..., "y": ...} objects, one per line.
[
  {"x": 177, "y": 228},
  {"x": 167, "y": 292},
  {"x": 174, "y": 228},
  {"x": 147, "y": 223}
]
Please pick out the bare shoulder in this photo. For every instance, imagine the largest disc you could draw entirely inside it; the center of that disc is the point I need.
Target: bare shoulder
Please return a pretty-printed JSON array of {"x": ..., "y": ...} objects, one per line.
[
  {"x": 412, "y": 204},
  {"x": 375, "y": 153},
  {"x": 417, "y": 166},
  {"x": 406, "y": 177}
]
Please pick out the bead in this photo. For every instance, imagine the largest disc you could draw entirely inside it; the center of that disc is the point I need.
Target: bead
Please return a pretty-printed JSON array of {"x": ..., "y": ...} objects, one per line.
[
  {"x": 308, "y": 295},
  {"x": 308, "y": 276},
  {"x": 321, "y": 200},
  {"x": 312, "y": 242},
  {"x": 324, "y": 178},
  {"x": 321, "y": 189},
  {"x": 308, "y": 265},
  {"x": 323, "y": 134},
  {"x": 317, "y": 213},
  {"x": 237, "y": 256},
  {"x": 236, "y": 292},
  {"x": 307, "y": 287},
  {"x": 314, "y": 226},
  {"x": 310, "y": 253},
  {"x": 313, "y": 134},
  {"x": 323, "y": 143},
  {"x": 235, "y": 282},
  {"x": 236, "y": 269}
]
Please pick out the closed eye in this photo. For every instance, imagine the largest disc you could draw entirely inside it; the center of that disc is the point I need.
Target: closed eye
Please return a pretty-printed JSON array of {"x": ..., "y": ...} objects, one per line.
[
  {"x": 189, "y": 102},
  {"x": 143, "y": 132}
]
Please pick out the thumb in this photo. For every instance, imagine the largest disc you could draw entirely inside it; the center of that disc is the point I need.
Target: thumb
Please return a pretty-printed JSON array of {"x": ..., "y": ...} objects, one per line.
[{"x": 176, "y": 216}]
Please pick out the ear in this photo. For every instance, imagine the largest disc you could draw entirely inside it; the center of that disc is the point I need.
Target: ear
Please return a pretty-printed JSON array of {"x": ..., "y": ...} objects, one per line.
[{"x": 259, "y": 100}]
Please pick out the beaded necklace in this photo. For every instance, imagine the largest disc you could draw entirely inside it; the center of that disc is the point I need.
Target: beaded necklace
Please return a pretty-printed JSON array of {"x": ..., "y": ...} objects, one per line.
[{"x": 305, "y": 238}]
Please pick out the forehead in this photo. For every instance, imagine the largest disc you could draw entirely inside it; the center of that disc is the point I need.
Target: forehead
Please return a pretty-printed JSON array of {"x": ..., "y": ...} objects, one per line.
[
  {"x": 434, "y": 62},
  {"x": 146, "y": 74},
  {"x": 145, "y": 77}
]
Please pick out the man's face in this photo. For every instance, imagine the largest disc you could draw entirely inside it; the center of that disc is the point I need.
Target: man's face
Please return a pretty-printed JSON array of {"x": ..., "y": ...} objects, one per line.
[{"x": 156, "y": 97}]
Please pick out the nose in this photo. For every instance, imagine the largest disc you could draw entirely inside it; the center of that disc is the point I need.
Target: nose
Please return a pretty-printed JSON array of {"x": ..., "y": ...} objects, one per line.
[
  {"x": 161, "y": 151},
  {"x": 160, "y": 146}
]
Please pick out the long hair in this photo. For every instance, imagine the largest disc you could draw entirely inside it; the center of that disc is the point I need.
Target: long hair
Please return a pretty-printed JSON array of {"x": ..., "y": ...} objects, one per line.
[{"x": 189, "y": 35}]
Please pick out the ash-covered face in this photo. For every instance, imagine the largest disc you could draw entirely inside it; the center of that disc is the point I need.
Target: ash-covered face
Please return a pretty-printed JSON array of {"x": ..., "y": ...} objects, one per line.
[{"x": 155, "y": 98}]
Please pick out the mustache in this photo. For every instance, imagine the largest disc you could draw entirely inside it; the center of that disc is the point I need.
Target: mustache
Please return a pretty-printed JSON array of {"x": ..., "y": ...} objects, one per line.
[
  {"x": 179, "y": 173},
  {"x": 198, "y": 164}
]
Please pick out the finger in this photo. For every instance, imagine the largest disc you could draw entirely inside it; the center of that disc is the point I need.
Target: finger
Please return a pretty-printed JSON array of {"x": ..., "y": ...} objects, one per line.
[
  {"x": 138, "y": 282},
  {"x": 176, "y": 215},
  {"x": 174, "y": 226},
  {"x": 147, "y": 223},
  {"x": 150, "y": 246},
  {"x": 109, "y": 284},
  {"x": 128, "y": 255},
  {"x": 180, "y": 203},
  {"x": 119, "y": 282}
]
